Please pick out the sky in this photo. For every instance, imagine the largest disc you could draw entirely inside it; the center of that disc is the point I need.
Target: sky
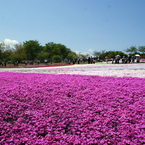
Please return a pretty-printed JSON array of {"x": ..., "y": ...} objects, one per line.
[{"x": 83, "y": 26}]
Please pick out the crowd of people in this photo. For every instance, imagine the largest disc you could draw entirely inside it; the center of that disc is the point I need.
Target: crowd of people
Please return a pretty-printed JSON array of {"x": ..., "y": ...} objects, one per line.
[
  {"x": 129, "y": 59},
  {"x": 3, "y": 63}
]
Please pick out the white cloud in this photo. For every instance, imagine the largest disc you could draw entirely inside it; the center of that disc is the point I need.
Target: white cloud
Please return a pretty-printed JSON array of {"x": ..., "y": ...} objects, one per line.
[
  {"x": 10, "y": 42},
  {"x": 77, "y": 52},
  {"x": 89, "y": 51}
]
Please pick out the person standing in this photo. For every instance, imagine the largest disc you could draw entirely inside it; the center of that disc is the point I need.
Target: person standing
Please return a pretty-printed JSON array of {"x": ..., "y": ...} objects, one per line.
[
  {"x": 106, "y": 59},
  {"x": 89, "y": 60},
  {"x": 78, "y": 60},
  {"x": 129, "y": 58},
  {"x": 5, "y": 63}
]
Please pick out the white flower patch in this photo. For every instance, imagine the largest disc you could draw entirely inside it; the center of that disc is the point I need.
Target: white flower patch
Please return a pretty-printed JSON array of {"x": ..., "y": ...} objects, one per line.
[{"x": 100, "y": 69}]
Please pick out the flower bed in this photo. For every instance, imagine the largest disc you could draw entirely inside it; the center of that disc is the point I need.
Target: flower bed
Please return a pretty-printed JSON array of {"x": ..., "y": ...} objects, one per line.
[
  {"x": 71, "y": 109},
  {"x": 115, "y": 70},
  {"x": 34, "y": 66},
  {"x": 142, "y": 60}
]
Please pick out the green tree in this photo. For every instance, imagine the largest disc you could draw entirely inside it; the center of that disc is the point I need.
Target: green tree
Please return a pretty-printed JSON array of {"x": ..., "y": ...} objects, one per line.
[
  {"x": 42, "y": 56},
  {"x": 56, "y": 49},
  {"x": 49, "y": 49},
  {"x": 32, "y": 48},
  {"x": 64, "y": 51},
  {"x": 132, "y": 50},
  {"x": 56, "y": 58},
  {"x": 5, "y": 52},
  {"x": 71, "y": 55},
  {"x": 141, "y": 49},
  {"x": 112, "y": 54},
  {"x": 16, "y": 57},
  {"x": 103, "y": 55},
  {"x": 96, "y": 53},
  {"x": 8, "y": 54},
  {"x": 20, "y": 50}
]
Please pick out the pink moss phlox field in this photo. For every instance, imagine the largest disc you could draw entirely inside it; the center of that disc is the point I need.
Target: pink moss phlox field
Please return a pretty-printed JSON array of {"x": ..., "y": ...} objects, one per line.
[
  {"x": 142, "y": 60},
  {"x": 42, "y": 109},
  {"x": 36, "y": 66}
]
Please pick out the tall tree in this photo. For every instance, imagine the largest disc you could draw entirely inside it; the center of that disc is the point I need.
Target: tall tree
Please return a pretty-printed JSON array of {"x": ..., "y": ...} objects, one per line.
[
  {"x": 96, "y": 53},
  {"x": 20, "y": 50},
  {"x": 132, "y": 50},
  {"x": 32, "y": 48},
  {"x": 71, "y": 56},
  {"x": 56, "y": 49},
  {"x": 141, "y": 49},
  {"x": 64, "y": 51},
  {"x": 49, "y": 49},
  {"x": 5, "y": 51}
]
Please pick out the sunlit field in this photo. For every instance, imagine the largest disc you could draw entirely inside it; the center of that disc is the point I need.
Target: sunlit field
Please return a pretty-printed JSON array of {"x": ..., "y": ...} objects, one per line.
[{"x": 80, "y": 104}]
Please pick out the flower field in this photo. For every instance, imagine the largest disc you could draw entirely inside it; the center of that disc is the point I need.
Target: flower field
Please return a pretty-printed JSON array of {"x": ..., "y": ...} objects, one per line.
[
  {"x": 99, "y": 69},
  {"x": 42, "y": 109}
]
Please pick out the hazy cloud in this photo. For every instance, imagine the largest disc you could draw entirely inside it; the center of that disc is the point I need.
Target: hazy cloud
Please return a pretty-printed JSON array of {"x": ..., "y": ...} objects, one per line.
[
  {"x": 10, "y": 42},
  {"x": 91, "y": 50}
]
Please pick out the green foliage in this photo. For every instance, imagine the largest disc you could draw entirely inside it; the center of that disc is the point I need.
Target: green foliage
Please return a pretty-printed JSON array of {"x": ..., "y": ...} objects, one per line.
[
  {"x": 83, "y": 56},
  {"x": 56, "y": 49},
  {"x": 16, "y": 57},
  {"x": 103, "y": 54},
  {"x": 42, "y": 56},
  {"x": 20, "y": 50},
  {"x": 56, "y": 58},
  {"x": 141, "y": 49},
  {"x": 49, "y": 49},
  {"x": 5, "y": 52},
  {"x": 32, "y": 47},
  {"x": 110, "y": 54},
  {"x": 8, "y": 54},
  {"x": 96, "y": 53},
  {"x": 32, "y": 50},
  {"x": 132, "y": 50},
  {"x": 72, "y": 55}
]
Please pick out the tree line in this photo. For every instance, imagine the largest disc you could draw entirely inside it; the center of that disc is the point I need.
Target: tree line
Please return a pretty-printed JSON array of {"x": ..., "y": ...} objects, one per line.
[
  {"x": 32, "y": 50},
  {"x": 133, "y": 50},
  {"x": 55, "y": 52}
]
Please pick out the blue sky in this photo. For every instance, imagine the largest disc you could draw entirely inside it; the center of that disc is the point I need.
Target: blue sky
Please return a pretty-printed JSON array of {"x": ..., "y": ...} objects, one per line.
[{"x": 81, "y": 25}]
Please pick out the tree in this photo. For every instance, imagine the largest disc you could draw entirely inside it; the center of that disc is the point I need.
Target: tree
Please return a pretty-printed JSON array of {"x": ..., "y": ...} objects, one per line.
[
  {"x": 32, "y": 48},
  {"x": 16, "y": 57},
  {"x": 141, "y": 49},
  {"x": 132, "y": 50},
  {"x": 42, "y": 56},
  {"x": 56, "y": 58},
  {"x": 5, "y": 52},
  {"x": 20, "y": 50},
  {"x": 71, "y": 56},
  {"x": 56, "y": 49},
  {"x": 103, "y": 55},
  {"x": 64, "y": 51},
  {"x": 8, "y": 54},
  {"x": 49, "y": 49},
  {"x": 112, "y": 54},
  {"x": 96, "y": 53}
]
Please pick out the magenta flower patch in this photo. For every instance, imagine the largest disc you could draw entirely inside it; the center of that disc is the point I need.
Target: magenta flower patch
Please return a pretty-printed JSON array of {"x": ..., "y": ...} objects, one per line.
[{"x": 47, "y": 109}]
